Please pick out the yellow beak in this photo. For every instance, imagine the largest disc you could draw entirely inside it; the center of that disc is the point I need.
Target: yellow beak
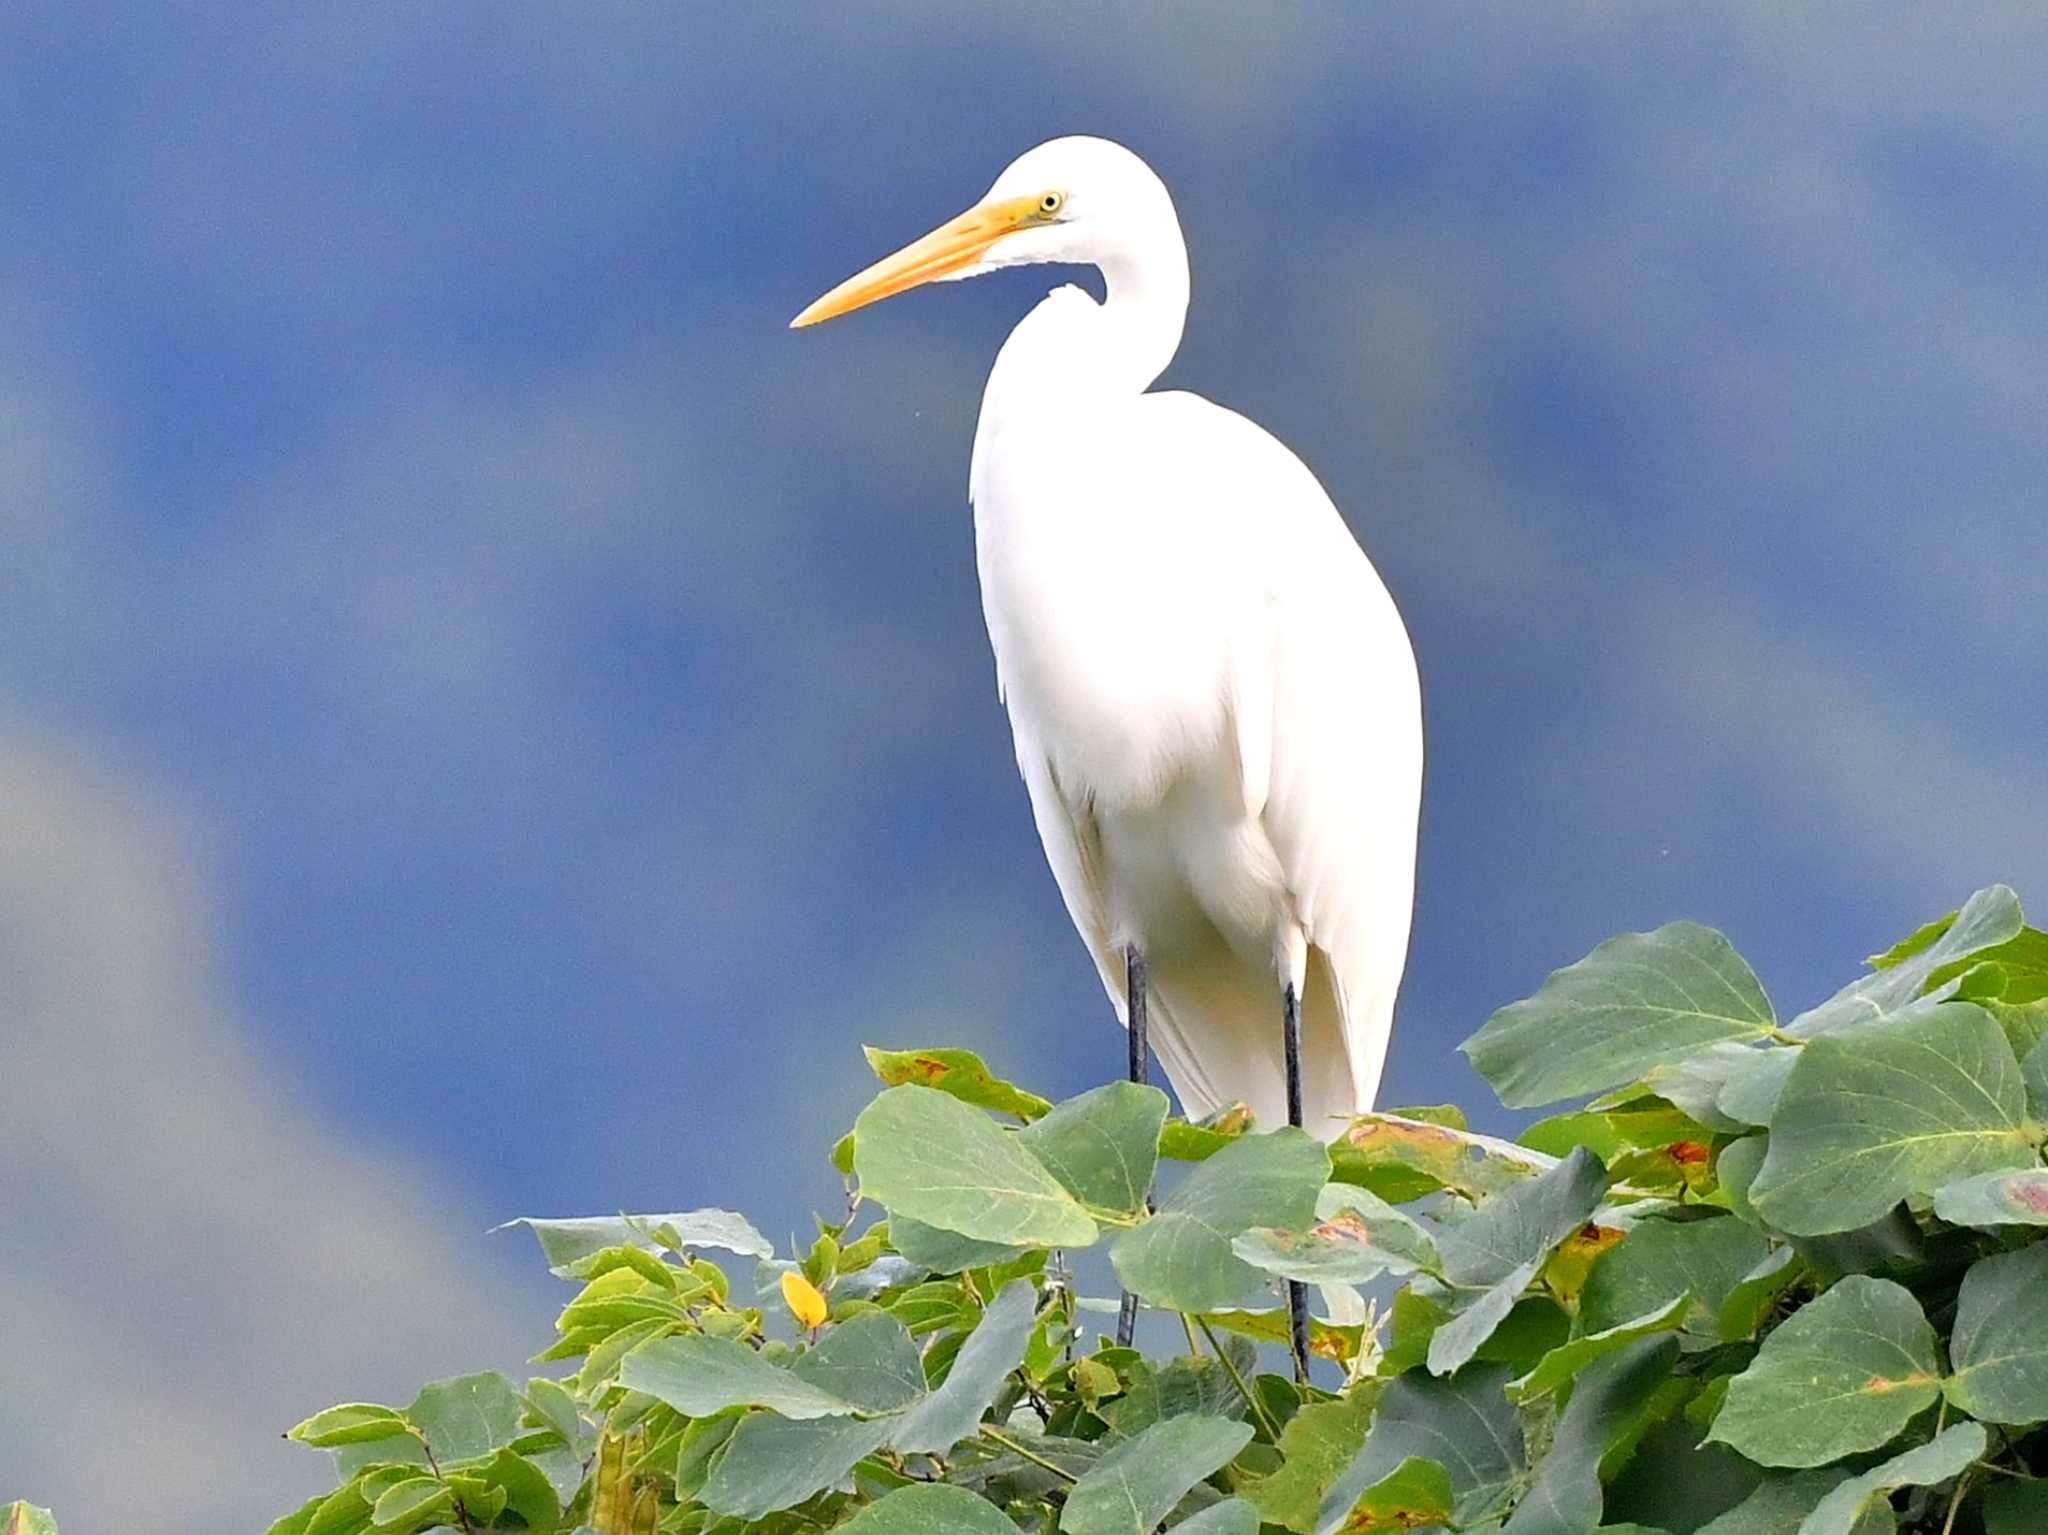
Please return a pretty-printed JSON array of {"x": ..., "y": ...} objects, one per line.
[{"x": 945, "y": 250}]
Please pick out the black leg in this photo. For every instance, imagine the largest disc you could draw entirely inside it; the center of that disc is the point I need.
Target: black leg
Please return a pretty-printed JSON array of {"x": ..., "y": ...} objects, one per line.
[
  {"x": 1134, "y": 1008},
  {"x": 1134, "y": 988},
  {"x": 1297, "y": 1292}
]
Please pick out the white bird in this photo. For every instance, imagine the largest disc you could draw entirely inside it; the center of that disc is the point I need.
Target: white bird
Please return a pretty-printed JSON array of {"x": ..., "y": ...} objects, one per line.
[{"x": 1213, "y": 698}]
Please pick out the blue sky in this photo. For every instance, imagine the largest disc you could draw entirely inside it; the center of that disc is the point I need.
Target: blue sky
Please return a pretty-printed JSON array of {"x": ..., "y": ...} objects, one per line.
[{"x": 490, "y": 721}]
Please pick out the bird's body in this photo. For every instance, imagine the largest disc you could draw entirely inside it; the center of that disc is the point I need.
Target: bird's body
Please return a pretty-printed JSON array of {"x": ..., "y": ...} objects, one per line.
[{"x": 1213, "y": 698}]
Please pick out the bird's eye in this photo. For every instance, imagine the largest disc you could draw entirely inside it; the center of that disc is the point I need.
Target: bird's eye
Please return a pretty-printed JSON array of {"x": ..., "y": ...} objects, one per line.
[{"x": 1051, "y": 203}]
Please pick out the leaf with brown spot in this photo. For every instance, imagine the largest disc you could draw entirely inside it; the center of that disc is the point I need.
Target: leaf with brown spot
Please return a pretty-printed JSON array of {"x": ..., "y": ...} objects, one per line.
[
  {"x": 1565, "y": 1273},
  {"x": 1403, "y": 1159},
  {"x": 959, "y": 1072},
  {"x": 1415, "y": 1495},
  {"x": 27, "y": 1519},
  {"x": 1842, "y": 1375}
]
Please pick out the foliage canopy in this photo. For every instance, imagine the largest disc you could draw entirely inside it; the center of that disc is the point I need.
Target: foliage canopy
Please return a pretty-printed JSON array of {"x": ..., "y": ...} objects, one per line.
[{"x": 1777, "y": 1279}]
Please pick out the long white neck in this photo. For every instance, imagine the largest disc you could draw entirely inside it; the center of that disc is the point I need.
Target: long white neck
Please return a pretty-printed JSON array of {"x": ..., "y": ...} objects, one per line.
[{"x": 1071, "y": 349}]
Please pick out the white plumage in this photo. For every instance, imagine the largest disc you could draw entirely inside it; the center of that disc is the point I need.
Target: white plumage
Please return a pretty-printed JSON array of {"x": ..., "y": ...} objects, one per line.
[{"x": 1213, "y": 698}]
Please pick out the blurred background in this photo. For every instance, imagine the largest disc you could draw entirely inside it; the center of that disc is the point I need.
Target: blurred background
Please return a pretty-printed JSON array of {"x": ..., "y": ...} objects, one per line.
[{"x": 490, "y": 721}]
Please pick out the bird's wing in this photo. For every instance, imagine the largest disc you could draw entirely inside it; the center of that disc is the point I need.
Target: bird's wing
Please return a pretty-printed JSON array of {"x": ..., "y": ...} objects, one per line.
[
  {"x": 1072, "y": 849},
  {"x": 1327, "y": 712},
  {"x": 1336, "y": 726}
]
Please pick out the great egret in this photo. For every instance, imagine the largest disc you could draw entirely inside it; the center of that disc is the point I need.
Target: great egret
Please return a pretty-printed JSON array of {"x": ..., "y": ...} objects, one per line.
[{"x": 1213, "y": 698}]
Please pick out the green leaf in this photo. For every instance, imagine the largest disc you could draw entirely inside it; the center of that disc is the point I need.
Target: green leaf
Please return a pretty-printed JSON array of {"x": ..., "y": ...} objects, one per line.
[
  {"x": 1524, "y": 1224},
  {"x": 1180, "y": 1259},
  {"x": 1750, "y": 1303},
  {"x": 773, "y": 1463},
  {"x": 1756, "y": 1082},
  {"x": 20, "y": 1518},
  {"x": 1988, "y": 918},
  {"x": 867, "y": 1361},
  {"x": 1948, "y": 1455},
  {"x": 933, "y": 1509},
  {"x": 350, "y": 1423},
  {"x": 1233, "y": 1516},
  {"x": 2018, "y": 1198},
  {"x": 2022, "y": 963},
  {"x": 944, "y": 1252},
  {"x": 960, "y": 1073},
  {"x": 601, "y": 1364},
  {"x": 553, "y": 1404},
  {"x": 468, "y": 1416},
  {"x": 1735, "y": 1168},
  {"x": 1414, "y": 1495},
  {"x": 1341, "y": 1249},
  {"x": 1609, "y": 1133},
  {"x": 1561, "y": 1364},
  {"x": 1695, "y": 1083},
  {"x": 1998, "y": 1353},
  {"x": 1913, "y": 943},
  {"x": 1400, "y": 1158},
  {"x": 1658, "y": 1259},
  {"x": 2034, "y": 1074},
  {"x": 1535, "y": 1326},
  {"x": 932, "y": 1157},
  {"x": 1667, "y": 1479},
  {"x": 1499, "y": 1249},
  {"x": 1186, "y": 1385},
  {"x": 1636, "y": 1001},
  {"x": 1453, "y": 1344},
  {"x": 1465, "y": 1422},
  {"x": 564, "y": 1242},
  {"x": 1843, "y": 1374},
  {"x": 343, "y": 1512},
  {"x": 1892, "y": 1244},
  {"x": 2025, "y": 1025},
  {"x": 1389, "y": 1228},
  {"x": 411, "y": 1503},
  {"x": 1317, "y": 1444},
  {"x": 1102, "y": 1145},
  {"x": 699, "y": 1448},
  {"x": 1899, "y": 1107},
  {"x": 1778, "y": 1506},
  {"x": 1138, "y": 1483},
  {"x": 293, "y": 1523},
  {"x": 527, "y": 1491},
  {"x": 1606, "y": 1407},
  {"x": 992, "y": 1351},
  {"x": 1197, "y": 1142},
  {"x": 2016, "y": 1508},
  {"x": 698, "y": 1376}
]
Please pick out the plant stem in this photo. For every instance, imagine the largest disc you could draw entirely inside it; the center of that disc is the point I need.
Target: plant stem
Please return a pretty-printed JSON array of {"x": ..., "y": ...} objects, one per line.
[
  {"x": 1018, "y": 1448},
  {"x": 433, "y": 1465},
  {"x": 1187, "y": 1327},
  {"x": 1258, "y": 1408},
  {"x": 1956, "y": 1502}
]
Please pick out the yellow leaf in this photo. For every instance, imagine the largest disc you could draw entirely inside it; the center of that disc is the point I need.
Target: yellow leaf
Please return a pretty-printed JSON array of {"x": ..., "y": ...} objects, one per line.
[{"x": 805, "y": 1302}]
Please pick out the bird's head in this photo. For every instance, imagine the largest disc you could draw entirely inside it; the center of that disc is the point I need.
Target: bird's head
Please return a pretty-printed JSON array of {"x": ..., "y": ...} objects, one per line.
[{"x": 1075, "y": 199}]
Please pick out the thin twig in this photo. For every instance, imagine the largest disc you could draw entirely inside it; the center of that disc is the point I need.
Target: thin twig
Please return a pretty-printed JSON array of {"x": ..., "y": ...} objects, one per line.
[
  {"x": 433, "y": 1465},
  {"x": 1017, "y": 1447},
  {"x": 1258, "y": 1407},
  {"x": 1194, "y": 1348},
  {"x": 1956, "y": 1502},
  {"x": 1035, "y": 1397}
]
